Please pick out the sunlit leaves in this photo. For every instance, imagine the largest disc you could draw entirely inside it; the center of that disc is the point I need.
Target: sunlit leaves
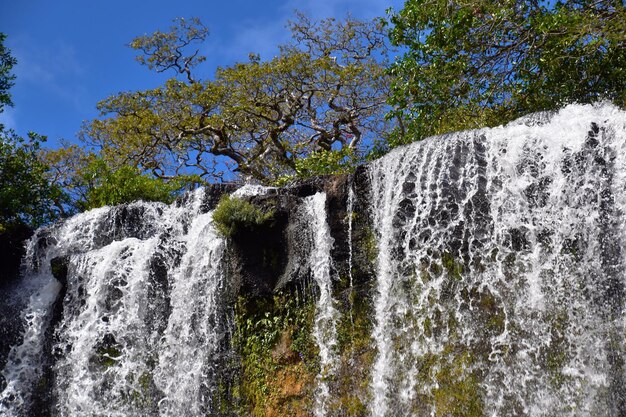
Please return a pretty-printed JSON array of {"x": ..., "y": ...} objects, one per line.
[
  {"x": 26, "y": 195},
  {"x": 326, "y": 90},
  {"x": 481, "y": 62},
  {"x": 6, "y": 78},
  {"x": 123, "y": 185}
]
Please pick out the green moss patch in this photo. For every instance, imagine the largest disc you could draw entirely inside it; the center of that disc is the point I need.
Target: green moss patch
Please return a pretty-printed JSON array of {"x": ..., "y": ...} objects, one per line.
[
  {"x": 234, "y": 214},
  {"x": 278, "y": 356}
]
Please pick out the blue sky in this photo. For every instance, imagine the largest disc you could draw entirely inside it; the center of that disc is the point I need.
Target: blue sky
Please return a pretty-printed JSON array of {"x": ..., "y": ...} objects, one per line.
[{"x": 72, "y": 53}]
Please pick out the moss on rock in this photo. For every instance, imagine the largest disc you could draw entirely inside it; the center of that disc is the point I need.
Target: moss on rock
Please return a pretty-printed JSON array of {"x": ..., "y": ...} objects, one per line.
[
  {"x": 233, "y": 214},
  {"x": 278, "y": 356}
]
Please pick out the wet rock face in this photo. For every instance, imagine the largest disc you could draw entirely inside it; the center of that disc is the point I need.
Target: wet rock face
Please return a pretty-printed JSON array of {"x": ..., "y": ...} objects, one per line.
[
  {"x": 214, "y": 192},
  {"x": 269, "y": 258},
  {"x": 262, "y": 262},
  {"x": 11, "y": 252},
  {"x": 260, "y": 254},
  {"x": 478, "y": 273}
]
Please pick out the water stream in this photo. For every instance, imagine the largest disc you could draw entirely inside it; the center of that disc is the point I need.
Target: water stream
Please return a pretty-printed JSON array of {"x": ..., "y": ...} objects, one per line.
[
  {"x": 326, "y": 314},
  {"x": 501, "y": 270},
  {"x": 499, "y": 287},
  {"x": 142, "y": 317}
]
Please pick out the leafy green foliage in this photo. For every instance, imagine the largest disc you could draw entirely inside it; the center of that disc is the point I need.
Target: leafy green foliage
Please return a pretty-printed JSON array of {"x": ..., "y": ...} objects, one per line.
[
  {"x": 6, "y": 78},
  {"x": 92, "y": 182},
  {"x": 106, "y": 186},
  {"x": 326, "y": 90},
  {"x": 325, "y": 162},
  {"x": 273, "y": 338},
  {"x": 485, "y": 62},
  {"x": 26, "y": 196},
  {"x": 234, "y": 214},
  {"x": 322, "y": 162}
]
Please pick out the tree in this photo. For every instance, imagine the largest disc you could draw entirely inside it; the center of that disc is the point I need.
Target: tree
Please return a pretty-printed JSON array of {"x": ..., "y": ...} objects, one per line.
[
  {"x": 324, "y": 92},
  {"x": 6, "y": 78},
  {"x": 485, "y": 62},
  {"x": 90, "y": 182},
  {"x": 26, "y": 195},
  {"x": 123, "y": 185}
]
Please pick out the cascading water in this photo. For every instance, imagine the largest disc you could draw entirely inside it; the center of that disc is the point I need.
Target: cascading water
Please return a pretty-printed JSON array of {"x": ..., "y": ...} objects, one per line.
[
  {"x": 326, "y": 315},
  {"x": 499, "y": 290},
  {"x": 350, "y": 214},
  {"x": 24, "y": 366},
  {"x": 501, "y": 274},
  {"x": 142, "y": 318}
]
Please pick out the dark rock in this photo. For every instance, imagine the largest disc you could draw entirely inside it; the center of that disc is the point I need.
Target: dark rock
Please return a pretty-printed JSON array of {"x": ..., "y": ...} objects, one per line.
[
  {"x": 159, "y": 309},
  {"x": 259, "y": 262},
  {"x": 213, "y": 193},
  {"x": 11, "y": 252},
  {"x": 42, "y": 395},
  {"x": 261, "y": 253},
  {"x": 59, "y": 269},
  {"x": 269, "y": 258}
]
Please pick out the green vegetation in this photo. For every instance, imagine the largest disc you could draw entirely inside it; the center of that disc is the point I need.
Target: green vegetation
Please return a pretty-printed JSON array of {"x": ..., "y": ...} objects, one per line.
[
  {"x": 105, "y": 186},
  {"x": 234, "y": 214},
  {"x": 323, "y": 162},
  {"x": 452, "y": 266},
  {"x": 107, "y": 352},
  {"x": 329, "y": 99},
  {"x": 89, "y": 181},
  {"x": 356, "y": 350},
  {"x": 317, "y": 108},
  {"x": 320, "y": 99},
  {"x": 7, "y": 62},
  {"x": 278, "y": 356},
  {"x": 485, "y": 62},
  {"x": 40, "y": 185},
  {"x": 26, "y": 197},
  {"x": 279, "y": 361},
  {"x": 458, "y": 392}
]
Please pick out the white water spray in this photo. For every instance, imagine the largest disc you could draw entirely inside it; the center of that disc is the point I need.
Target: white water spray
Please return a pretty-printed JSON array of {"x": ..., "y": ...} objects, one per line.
[
  {"x": 350, "y": 214},
  {"x": 500, "y": 286},
  {"x": 326, "y": 314},
  {"x": 142, "y": 320},
  {"x": 501, "y": 270}
]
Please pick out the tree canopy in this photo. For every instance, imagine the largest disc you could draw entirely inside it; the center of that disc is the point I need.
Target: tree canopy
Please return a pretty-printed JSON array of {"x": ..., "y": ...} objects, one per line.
[
  {"x": 26, "y": 195},
  {"x": 324, "y": 92},
  {"x": 89, "y": 181},
  {"x": 6, "y": 77},
  {"x": 484, "y": 62},
  {"x": 323, "y": 102}
]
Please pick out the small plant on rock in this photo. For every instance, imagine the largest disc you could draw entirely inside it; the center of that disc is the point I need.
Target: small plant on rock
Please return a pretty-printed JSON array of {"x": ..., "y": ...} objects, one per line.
[{"x": 234, "y": 214}]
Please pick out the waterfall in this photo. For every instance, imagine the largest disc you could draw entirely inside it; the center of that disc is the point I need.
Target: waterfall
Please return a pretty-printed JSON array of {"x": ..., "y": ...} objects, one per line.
[
  {"x": 324, "y": 331},
  {"x": 142, "y": 320},
  {"x": 350, "y": 215},
  {"x": 187, "y": 362},
  {"x": 501, "y": 273},
  {"x": 40, "y": 289},
  {"x": 478, "y": 273}
]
